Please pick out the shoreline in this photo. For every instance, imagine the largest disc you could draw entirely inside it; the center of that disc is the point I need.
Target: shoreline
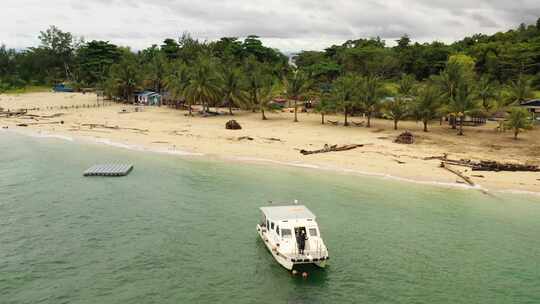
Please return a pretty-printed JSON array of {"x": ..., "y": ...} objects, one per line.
[
  {"x": 278, "y": 140},
  {"x": 262, "y": 161}
]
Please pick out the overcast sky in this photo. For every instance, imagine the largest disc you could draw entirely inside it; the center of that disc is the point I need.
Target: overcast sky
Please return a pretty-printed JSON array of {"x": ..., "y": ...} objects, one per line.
[{"x": 286, "y": 25}]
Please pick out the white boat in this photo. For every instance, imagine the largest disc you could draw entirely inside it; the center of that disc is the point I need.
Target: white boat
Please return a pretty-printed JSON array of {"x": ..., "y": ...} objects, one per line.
[{"x": 281, "y": 230}]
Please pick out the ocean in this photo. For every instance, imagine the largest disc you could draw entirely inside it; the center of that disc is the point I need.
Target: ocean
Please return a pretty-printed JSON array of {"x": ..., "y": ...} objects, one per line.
[{"x": 181, "y": 229}]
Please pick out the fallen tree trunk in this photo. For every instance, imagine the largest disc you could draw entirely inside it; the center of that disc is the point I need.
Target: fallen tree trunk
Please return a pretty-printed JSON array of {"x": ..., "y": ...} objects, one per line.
[
  {"x": 91, "y": 126},
  {"x": 486, "y": 165},
  {"x": 334, "y": 148},
  {"x": 465, "y": 178}
]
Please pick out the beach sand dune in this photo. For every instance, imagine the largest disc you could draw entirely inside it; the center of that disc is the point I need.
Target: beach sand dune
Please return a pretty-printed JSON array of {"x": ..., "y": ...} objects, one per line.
[{"x": 278, "y": 140}]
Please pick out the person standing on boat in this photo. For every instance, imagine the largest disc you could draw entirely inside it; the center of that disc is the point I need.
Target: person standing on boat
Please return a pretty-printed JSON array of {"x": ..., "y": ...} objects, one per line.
[{"x": 302, "y": 241}]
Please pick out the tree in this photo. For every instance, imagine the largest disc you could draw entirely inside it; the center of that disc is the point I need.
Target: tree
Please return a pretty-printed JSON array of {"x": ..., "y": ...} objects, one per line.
[
  {"x": 406, "y": 85},
  {"x": 157, "y": 71},
  {"x": 170, "y": 48},
  {"x": 397, "y": 109},
  {"x": 428, "y": 103},
  {"x": 487, "y": 92},
  {"x": 203, "y": 84},
  {"x": 459, "y": 73},
  {"x": 177, "y": 81},
  {"x": 61, "y": 45},
  {"x": 296, "y": 84},
  {"x": 95, "y": 59},
  {"x": 259, "y": 85},
  {"x": 125, "y": 76},
  {"x": 519, "y": 120},
  {"x": 345, "y": 93},
  {"x": 371, "y": 92},
  {"x": 519, "y": 91},
  {"x": 463, "y": 102},
  {"x": 231, "y": 86},
  {"x": 325, "y": 106}
]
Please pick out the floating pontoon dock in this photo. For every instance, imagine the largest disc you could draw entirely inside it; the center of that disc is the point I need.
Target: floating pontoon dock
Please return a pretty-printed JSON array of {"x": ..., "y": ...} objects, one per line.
[{"x": 109, "y": 170}]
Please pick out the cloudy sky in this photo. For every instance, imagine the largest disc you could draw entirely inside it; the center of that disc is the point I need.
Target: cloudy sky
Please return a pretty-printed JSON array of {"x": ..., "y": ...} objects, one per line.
[{"x": 287, "y": 25}]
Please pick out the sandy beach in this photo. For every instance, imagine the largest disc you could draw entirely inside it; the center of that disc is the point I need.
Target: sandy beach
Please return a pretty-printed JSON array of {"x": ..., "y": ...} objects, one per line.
[{"x": 278, "y": 140}]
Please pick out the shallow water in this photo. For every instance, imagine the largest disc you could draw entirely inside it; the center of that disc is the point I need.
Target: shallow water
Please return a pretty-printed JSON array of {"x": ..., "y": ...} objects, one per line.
[{"x": 180, "y": 230}]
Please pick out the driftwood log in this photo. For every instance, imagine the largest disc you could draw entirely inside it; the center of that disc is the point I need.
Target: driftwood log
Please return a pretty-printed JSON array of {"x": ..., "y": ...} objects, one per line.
[
  {"x": 486, "y": 165},
  {"x": 327, "y": 148},
  {"x": 465, "y": 178}
]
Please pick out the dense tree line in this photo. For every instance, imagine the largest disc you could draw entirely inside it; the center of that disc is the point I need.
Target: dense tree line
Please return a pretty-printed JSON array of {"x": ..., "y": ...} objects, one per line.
[{"x": 477, "y": 76}]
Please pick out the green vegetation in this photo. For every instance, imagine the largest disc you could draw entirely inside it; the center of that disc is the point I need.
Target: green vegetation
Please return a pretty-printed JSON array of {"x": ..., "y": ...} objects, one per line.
[
  {"x": 518, "y": 121},
  {"x": 474, "y": 77},
  {"x": 25, "y": 89}
]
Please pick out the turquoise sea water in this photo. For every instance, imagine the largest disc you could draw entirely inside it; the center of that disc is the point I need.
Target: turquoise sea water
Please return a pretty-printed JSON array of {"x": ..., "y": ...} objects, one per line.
[{"x": 182, "y": 230}]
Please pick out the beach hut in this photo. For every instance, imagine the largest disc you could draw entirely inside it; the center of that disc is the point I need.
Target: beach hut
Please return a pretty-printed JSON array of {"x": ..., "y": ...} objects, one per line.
[
  {"x": 532, "y": 106},
  {"x": 148, "y": 98}
]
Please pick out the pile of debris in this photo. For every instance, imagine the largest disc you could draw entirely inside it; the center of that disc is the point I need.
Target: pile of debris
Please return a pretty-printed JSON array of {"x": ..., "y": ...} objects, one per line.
[
  {"x": 232, "y": 125},
  {"x": 405, "y": 138}
]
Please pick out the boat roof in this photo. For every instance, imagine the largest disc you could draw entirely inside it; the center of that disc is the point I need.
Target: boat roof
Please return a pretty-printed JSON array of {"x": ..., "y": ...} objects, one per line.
[{"x": 279, "y": 213}]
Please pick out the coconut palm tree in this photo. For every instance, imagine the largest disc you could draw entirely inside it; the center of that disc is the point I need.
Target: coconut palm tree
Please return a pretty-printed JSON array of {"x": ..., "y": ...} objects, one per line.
[
  {"x": 487, "y": 91},
  {"x": 519, "y": 120},
  {"x": 296, "y": 85},
  {"x": 325, "y": 106},
  {"x": 177, "y": 80},
  {"x": 519, "y": 90},
  {"x": 371, "y": 92},
  {"x": 345, "y": 93},
  {"x": 406, "y": 85},
  {"x": 259, "y": 86},
  {"x": 397, "y": 109},
  {"x": 427, "y": 105},
  {"x": 463, "y": 103},
  {"x": 231, "y": 86},
  {"x": 203, "y": 86},
  {"x": 156, "y": 72},
  {"x": 125, "y": 77}
]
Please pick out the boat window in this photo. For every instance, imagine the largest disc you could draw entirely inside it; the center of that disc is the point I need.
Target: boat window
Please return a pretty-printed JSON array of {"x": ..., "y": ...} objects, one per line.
[
  {"x": 313, "y": 231},
  {"x": 277, "y": 229},
  {"x": 272, "y": 225},
  {"x": 286, "y": 232}
]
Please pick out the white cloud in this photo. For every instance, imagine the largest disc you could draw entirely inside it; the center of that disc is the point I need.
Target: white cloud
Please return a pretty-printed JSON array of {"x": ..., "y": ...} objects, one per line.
[{"x": 287, "y": 25}]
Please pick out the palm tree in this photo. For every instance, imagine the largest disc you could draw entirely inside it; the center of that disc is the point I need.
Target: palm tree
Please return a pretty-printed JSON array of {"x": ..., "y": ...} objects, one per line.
[
  {"x": 371, "y": 92},
  {"x": 265, "y": 97},
  {"x": 519, "y": 90},
  {"x": 325, "y": 106},
  {"x": 157, "y": 70},
  {"x": 463, "y": 103},
  {"x": 518, "y": 121},
  {"x": 406, "y": 85},
  {"x": 487, "y": 92},
  {"x": 427, "y": 104},
  {"x": 296, "y": 85},
  {"x": 397, "y": 109},
  {"x": 231, "y": 86},
  {"x": 125, "y": 76},
  {"x": 259, "y": 86},
  {"x": 449, "y": 80},
  {"x": 344, "y": 92},
  {"x": 203, "y": 85},
  {"x": 177, "y": 80}
]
